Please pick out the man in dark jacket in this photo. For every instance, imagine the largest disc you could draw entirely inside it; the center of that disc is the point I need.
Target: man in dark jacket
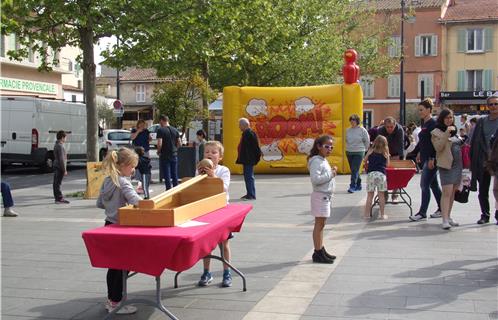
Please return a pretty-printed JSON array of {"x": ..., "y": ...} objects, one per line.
[
  {"x": 479, "y": 152},
  {"x": 395, "y": 136},
  {"x": 249, "y": 154}
]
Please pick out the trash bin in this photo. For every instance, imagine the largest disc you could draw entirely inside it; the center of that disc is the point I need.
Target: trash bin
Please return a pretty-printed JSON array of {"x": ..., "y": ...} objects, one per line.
[{"x": 186, "y": 163}]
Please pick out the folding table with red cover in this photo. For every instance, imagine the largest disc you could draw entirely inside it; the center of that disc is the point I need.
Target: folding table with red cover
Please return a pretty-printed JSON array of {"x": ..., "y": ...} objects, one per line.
[{"x": 151, "y": 250}]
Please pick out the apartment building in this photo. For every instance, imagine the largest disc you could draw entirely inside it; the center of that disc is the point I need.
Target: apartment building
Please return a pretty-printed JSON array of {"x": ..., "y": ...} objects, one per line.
[
  {"x": 65, "y": 81},
  {"x": 470, "y": 59},
  {"x": 136, "y": 87},
  {"x": 422, "y": 60}
]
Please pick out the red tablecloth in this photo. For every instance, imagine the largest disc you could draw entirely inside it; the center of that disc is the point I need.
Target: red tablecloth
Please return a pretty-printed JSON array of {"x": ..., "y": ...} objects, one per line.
[{"x": 150, "y": 250}]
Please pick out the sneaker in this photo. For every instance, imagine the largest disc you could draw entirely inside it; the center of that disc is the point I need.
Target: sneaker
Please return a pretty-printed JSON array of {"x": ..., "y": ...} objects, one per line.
[
  {"x": 320, "y": 257},
  {"x": 436, "y": 214},
  {"x": 484, "y": 219},
  {"x": 9, "y": 212},
  {"x": 446, "y": 225},
  {"x": 206, "y": 279},
  {"x": 227, "y": 279},
  {"x": 417, "y": 217},
  {"x": 61, "y": 201},
  {"x": 453, "y": 223},
  {"x": 351, "y": 190},
  {"x": 128, "y": 309},
  {"x": 328, "y": 255}
]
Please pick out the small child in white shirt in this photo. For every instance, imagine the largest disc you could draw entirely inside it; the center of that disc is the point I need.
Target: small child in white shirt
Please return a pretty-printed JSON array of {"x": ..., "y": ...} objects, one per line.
[{"x": 213, "y": 150}]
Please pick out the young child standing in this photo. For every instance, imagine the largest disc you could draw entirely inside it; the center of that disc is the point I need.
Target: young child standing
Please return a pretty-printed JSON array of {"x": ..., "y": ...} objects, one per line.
[
  {"x": 144, "y": 168},
  {"x": 322, "y": 180},
  {"x": 213, "y": 150},
  {"x": 376, "y": 160},
  {"x": 60, "y": 166},
  {"x": 116, "y": 192}
]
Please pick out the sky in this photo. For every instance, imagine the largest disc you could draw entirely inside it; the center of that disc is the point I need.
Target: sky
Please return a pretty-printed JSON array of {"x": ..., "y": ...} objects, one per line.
[{"x": 102, "y": 45}]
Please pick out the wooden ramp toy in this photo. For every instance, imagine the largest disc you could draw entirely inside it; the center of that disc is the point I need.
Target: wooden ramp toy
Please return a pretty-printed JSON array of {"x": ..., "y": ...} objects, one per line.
[{"x": 192, "y": 198}]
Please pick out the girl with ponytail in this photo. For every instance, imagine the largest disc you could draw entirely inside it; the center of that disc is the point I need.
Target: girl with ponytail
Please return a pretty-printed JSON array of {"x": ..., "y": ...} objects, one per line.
[{"x": 116, "y": 192}]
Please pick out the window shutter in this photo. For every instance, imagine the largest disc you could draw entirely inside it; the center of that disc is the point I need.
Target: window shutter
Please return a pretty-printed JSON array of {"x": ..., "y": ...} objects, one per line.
[
  {"x": 461, "y": 80},
  {"x": 434, "y": 46},
  {"x": 430, "y": 87},
  {"x": 487, "y": 79},
  {"x": 417, "y": 46},
  {"x": 488, "y": 39},
  {"x": 390, "y": 86},
  {"x": 462, "y": 40}
]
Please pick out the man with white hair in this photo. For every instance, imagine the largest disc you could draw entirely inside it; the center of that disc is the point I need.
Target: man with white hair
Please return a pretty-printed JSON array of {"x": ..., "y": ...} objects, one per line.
[{"x": 249, "y": 154}]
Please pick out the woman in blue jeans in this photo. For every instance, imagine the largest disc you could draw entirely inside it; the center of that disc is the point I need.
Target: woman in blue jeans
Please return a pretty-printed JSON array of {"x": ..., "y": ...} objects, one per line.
[
  {"x": 357, "y": 143},
  {"x": 426, "y": 155}
]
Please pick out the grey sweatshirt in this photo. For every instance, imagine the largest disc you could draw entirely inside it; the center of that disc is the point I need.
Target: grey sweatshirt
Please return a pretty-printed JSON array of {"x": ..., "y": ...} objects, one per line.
[
  {"x": 357, "y": 139},
  {"x": 111, "y": 198},
  {"x": 321, "y": 174},
  {"x": 60, "y": 157}
]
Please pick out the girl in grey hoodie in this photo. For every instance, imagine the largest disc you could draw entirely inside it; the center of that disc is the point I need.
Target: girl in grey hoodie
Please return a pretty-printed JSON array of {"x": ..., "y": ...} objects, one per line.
[
  {"x": 322, "y": 180},
  {"x": 116, "y": 192}
]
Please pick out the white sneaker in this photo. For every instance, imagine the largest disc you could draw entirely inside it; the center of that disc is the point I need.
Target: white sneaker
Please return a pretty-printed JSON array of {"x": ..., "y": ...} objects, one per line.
[
  {"x": 453, "y": 223},
  {"x": 128, "y": 309},
  {"x": 446, "y": 225},
  {"x": 417, "y": 217},
  {"x": 436, "y": 214},
  {"x": 9, "y": 212}
]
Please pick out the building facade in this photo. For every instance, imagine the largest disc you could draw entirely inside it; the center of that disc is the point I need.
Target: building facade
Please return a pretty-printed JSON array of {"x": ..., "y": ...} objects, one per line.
[
  {"x": 422, "y": 60},
  {"x": 23, "y": 77},
  {"x": 470, "y": 62}
]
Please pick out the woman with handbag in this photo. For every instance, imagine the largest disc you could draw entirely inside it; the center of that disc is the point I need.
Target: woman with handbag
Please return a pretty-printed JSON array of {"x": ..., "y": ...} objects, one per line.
[{"x": 449, "y": 161}]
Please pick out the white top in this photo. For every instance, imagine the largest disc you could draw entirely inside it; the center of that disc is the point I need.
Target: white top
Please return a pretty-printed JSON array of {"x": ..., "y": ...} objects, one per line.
[
  {"x": 321, "y": 174},
  {"x": 223, "y": 173},
  {"x": 415, "y": 133}
]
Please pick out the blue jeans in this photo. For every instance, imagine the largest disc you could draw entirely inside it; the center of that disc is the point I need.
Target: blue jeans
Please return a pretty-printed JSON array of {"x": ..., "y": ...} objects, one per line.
[
  {"x": 428, "y": 182},
  {"x": 170, "y": 171},
  {"x": 355, "y": 164},
  {"x": 7, "y": 196},
  {"x": 249, "y": 180}
]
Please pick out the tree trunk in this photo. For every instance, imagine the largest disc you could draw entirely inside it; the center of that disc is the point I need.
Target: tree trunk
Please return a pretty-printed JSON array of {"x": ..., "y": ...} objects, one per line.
[{"x": 89, "y": 79}]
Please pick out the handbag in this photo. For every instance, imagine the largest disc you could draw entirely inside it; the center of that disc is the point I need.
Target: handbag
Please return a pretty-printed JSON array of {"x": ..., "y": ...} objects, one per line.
[
  {"x": 466, "y": 156},
  {"x": 463, "y": 191},
  {"x": 462, "y": 196}
]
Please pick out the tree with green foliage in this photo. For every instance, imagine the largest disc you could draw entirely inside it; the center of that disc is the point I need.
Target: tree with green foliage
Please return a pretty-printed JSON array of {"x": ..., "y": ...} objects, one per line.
[
  {"x": 181, "y": 100},
  {"x": 261, "y": 42},
  {"x": 51, "y": 25}
]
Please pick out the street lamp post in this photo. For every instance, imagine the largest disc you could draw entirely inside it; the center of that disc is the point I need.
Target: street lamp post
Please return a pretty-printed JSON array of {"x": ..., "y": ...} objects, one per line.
[{"x": 401, "y": 68}]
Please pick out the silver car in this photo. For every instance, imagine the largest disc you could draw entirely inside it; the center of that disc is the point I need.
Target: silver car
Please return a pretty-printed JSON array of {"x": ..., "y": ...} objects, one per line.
[{"x": 113, "y": 139}]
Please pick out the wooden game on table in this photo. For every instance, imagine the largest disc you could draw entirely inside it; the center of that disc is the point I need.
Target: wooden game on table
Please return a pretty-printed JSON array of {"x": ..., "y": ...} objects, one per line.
[{"x": 192, "y": 198}]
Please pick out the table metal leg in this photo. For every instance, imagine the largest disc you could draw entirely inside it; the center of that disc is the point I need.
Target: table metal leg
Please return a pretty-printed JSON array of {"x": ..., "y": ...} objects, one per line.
[
  {"x": 222, "y": 259},
  {"x": 157, "y": 304}
]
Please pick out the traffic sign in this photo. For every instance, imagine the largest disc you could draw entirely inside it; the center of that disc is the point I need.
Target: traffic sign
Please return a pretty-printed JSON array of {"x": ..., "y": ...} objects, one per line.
[
  {"x": 117, "y": 104},
  {"x": 118, "y": 112}
]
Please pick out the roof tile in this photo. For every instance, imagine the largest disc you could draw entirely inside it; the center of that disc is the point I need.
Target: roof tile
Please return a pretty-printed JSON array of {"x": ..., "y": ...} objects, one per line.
[{"x": 472, "y": 10}]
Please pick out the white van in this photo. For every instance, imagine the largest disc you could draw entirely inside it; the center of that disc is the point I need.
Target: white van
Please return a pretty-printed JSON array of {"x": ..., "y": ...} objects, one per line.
[{"x": 30, "y": 125}]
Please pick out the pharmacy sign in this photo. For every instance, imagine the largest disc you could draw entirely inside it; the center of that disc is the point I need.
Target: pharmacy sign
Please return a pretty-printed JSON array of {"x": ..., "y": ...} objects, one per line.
[{"x": 27, "y": 86}]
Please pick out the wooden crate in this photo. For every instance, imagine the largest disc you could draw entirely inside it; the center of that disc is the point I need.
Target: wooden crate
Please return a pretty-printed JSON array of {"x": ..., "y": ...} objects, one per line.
[
  {"x": 402, "y": 164},
  {"x": 193, "y": 198}
]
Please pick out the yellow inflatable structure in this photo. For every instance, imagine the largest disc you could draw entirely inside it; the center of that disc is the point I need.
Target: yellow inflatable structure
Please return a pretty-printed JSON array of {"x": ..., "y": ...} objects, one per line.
[{"x": 287, "y": 120}]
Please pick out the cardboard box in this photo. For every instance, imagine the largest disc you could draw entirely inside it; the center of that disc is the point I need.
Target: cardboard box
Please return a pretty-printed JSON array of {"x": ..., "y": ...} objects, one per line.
[{"x": 193, "y": 198}]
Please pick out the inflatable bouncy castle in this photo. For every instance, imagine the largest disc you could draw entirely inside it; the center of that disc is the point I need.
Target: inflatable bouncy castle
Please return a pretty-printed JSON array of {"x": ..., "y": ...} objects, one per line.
[{"x": 288, "y": 119}]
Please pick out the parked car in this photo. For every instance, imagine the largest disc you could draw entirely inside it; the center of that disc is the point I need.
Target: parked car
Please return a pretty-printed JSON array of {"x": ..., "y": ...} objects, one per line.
[
  {"x": 113, "y": 139},
  {"x": 153, "y": 135}
]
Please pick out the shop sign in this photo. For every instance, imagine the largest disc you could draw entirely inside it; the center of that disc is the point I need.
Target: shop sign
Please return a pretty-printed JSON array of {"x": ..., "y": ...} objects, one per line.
[
  {"x": 483, "y": 94},
  {"x": 27, "y": 86}
]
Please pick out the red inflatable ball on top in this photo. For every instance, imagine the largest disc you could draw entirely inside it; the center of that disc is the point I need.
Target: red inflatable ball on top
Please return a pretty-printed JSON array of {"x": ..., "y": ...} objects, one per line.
[{"x": 350, "y": 70}]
